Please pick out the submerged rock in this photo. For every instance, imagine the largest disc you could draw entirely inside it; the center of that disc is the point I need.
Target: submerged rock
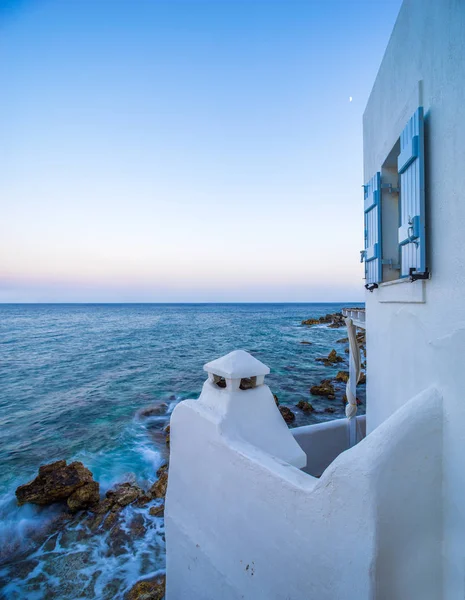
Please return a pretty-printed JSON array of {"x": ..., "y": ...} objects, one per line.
[
  {"x": 306, "y": 342},
  {"x": 147, "y": 589},
  {"x": 155, "y": 410},
  {"x": 325, "y": 388},
  {"x": 286, "y": 413},
  {"x": 57, "y": 482},
  {"x": 330, "y": 409},
  {"x": 305, "y": 406},
  {"x": 363, "y": 378}
]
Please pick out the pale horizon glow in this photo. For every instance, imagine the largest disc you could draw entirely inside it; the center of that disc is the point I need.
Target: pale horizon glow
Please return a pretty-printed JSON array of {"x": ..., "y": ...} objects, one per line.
[{"x": 185, "y": 151}]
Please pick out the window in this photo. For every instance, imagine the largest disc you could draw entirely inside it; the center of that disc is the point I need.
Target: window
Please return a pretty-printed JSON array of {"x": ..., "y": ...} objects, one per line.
[{"x": 394, "y": 205}]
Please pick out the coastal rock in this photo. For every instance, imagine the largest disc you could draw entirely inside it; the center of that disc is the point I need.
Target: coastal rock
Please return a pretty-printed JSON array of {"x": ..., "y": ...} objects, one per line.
[
  {"x": 123, "y": 494},
  {"x": 157, "y": 511},
  {"x": 342, "y": 376},
  {"x": 363, "y": 378},
  {"x": 56, "y": 482},
  {"x": 330, "y": 409},
  {"x": 343, "y": 341},
  {"x": 84, "y": 497},
  {"x": 276, "y": 399},
  {"x": 158, "y": 489},
  {"x": 325, "y": 388},
  {"x": 305, "y": 406},
  {"x": 306, "y": 343},
  {"x": 344, "y": 400},
  {"x": 311, "y": 322},
  {"x": 167, "y": 431},
  {"x": 147, "y": 589},
  {"x": 286, "y": 414},
  {"x": 332, "y": 359},
  {"x": 155, "y": 410}
]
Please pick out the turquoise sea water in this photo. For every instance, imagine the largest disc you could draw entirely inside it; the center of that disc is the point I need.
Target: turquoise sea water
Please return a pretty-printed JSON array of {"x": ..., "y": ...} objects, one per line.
[{"x": 72, "y": 378}]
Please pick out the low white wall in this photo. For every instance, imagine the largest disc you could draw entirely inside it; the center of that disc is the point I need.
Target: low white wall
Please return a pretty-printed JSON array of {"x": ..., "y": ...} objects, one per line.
[
  {"x": 242, "y": 524},
  {"x": 323, "y": 442}
]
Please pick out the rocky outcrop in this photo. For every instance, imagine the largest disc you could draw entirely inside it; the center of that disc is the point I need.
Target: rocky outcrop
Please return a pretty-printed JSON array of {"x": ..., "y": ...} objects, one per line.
[
  {"x": 158, "y": 489},
  {"x": 84, "y": 497},
  {"x": 286, "y": 414},
  {"x": 148, "y": 589},
  {"x": 157, "y": 511},
  {"x": 311, "y": 322},
  {"x": 57, "y": 482},
  {"x": 363, "y": 378},
  {"x": 329, "y": 409},
  {"x": 334, "y": 321},
  {"x": 332, "y": 359},
  {"x": 325, "y": 388},
  {"x": 305, "y": 406},
  {"x": 306, "y": 343},
  {"x": 342, "y": 376}
]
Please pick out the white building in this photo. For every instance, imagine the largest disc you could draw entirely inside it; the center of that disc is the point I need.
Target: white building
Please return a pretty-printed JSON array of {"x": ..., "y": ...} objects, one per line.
[{"x": 260, "y": 512}]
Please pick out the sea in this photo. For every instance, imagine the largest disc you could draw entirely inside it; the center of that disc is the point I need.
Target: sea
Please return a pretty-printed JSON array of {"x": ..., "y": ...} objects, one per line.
[{"x": 73, "y": 380}]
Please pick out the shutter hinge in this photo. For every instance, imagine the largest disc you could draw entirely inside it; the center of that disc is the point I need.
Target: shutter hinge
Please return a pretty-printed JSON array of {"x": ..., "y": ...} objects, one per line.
[
  {"x": 416, "y": 276},
  {"x": 371, "y": 286}
]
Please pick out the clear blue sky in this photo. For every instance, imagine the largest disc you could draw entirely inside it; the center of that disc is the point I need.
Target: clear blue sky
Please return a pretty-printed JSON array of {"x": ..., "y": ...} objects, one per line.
[{"x": 184, "y": 151}]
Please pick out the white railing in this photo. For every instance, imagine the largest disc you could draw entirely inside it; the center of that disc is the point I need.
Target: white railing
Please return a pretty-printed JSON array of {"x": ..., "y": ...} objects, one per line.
[{"x": 356, "y": 314}]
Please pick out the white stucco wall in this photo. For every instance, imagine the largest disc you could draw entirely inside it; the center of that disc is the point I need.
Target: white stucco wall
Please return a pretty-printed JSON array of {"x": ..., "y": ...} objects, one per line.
[
  {"x": 416, "y": 332},
  {"x": 243, "y": 524}
]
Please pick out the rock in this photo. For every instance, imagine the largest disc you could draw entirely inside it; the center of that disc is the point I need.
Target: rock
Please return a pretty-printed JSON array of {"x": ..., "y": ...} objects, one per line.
[
  {"x": 147, "y": 589},
  {"x": 311, "y": 322},
  {"x": 123, "y": 494},
  {"x": 306, "y": 343},
  {"x": 153, "y": 411},
  {"x": 344, "y": 400},
  {"x": 363, "y": 378},
  {"x": 325, "y": 388},
  {"x": 305, "y": 406},
  {"x": 55, "y": 482},
  {"x": 347, "y": 350},
  {"x": 157, "y": 511},
  {"x": 158, "y": 489},
  {"x": 276, "y": 399},
  {"x": 84, "y": 497},
  {"x": 343, "y": 341},
  {"x": 167, "y": 433},
  {"x": 286, "y": 414},
  {"x": 330, "y": 409},
  {"x": 332, "y": 359},
  {"x": 342, "y": 376},
  {"x": 246, "y": 383}
]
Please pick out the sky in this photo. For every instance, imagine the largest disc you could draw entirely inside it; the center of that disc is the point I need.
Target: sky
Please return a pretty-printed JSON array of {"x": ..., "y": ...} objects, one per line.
[{"x": 185, "y": 151}]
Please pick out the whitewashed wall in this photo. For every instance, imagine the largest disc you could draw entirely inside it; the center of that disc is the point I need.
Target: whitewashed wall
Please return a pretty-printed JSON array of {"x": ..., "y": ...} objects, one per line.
[
  {"x": 243, "y": 524},
  {"x": 416, "y": 332}
]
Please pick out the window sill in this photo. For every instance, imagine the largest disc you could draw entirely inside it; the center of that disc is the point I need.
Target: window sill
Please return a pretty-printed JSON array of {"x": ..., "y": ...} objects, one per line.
[{"x": 402, "y": 291}]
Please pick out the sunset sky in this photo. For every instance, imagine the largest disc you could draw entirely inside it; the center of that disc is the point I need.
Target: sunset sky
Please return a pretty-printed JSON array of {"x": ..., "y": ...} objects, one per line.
[{"x": 162, "y": 151}]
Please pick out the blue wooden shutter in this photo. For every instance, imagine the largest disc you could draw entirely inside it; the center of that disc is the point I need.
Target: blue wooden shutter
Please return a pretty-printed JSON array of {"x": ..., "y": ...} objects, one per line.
[
  {"x": 372, "y": 255},
  {"x": 411, "y": 167}
]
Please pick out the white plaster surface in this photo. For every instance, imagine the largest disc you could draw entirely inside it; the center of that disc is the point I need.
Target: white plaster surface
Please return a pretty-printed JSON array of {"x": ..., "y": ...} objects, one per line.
[
  {"x": 242, "y": 523},
  {"x": 411, "y": 346}
]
